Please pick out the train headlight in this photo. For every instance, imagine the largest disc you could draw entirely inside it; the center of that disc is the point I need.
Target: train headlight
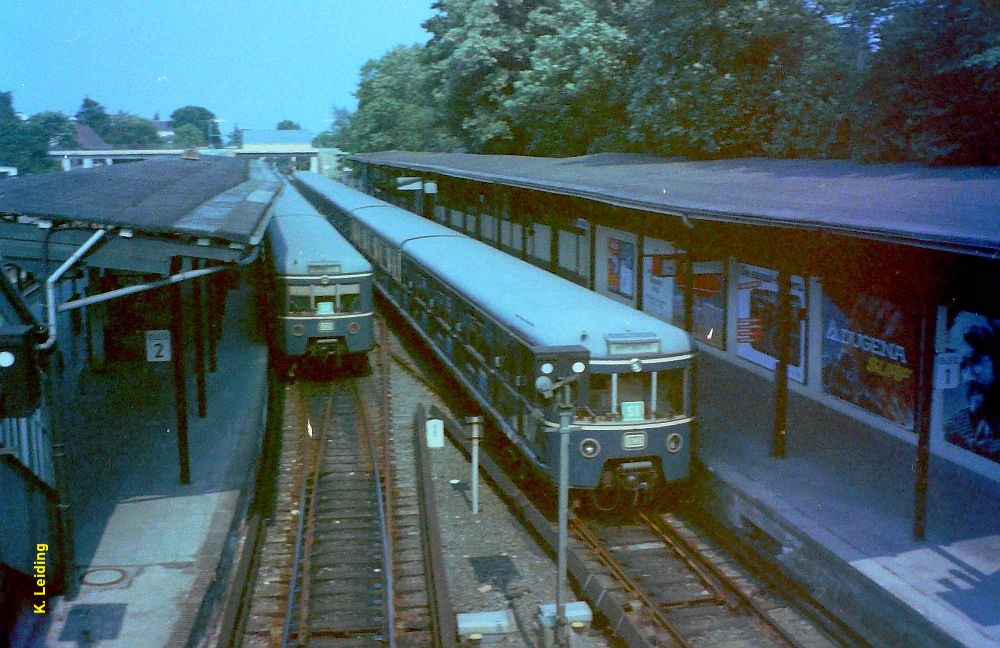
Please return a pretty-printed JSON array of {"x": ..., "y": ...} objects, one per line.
[
  {"x": 636, "y": 365},
  {"x": 590, "y": 448},
  {"x": 578, "y": 367},
  {"x": 298, "y": 330},
  {"x": 674, "y": 442},
  {"x": 547, "y": 368},
  {"x": 353, "y": 328}
]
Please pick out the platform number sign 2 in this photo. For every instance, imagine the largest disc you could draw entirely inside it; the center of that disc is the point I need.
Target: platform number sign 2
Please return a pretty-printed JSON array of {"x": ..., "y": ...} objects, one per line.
[{"x": 158, "y": 346}]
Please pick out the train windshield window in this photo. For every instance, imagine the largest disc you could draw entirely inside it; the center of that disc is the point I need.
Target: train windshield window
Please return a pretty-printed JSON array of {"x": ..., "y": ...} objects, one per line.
[
  {"x": 634, "y": 387},
  {"x": 349, "y": 298},
  {"x": 600, "y": 393},
  {"x": 298, "y": 299},
  {"x": 670, "y": 393}
]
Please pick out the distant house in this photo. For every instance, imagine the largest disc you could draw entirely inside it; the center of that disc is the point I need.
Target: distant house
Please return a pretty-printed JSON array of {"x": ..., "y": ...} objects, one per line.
[
  {"x": 164, "y": 128},
  {"x": 87, "y": 138}
]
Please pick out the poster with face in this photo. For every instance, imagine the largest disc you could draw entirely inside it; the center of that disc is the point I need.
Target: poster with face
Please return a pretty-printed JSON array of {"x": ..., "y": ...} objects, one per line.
[
  {"x": 621, "y": 267},
  {"x": 757, "y": 319},
  {"x": 972, "y": 408},
  {"x": 868, "y": 351}
]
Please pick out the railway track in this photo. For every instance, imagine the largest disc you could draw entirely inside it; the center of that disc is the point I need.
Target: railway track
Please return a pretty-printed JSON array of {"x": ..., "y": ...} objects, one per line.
[
  {"x": 661, "y": 581},
  {"x": 681, "y": 590},
  {"x": 346, "y": 560}
]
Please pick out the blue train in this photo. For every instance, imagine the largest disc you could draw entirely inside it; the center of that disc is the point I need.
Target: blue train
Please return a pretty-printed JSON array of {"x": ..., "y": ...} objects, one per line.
[
  {"x": 524, "y": 342},
  {"x": 318, "y": 286}
]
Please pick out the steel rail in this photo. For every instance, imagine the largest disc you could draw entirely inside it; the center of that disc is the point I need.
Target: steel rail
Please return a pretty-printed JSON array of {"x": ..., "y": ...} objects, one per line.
[
  {"x": 305, "y": 590},
  {"x": 286, "y": 625},
  {"x": 387, "y": 564},
  {"x": 656, "y": 613},
  {"x": 676, "y": 540}
]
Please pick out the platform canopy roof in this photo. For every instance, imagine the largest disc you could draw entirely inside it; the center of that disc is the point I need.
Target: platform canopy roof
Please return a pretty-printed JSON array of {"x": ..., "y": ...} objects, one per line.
[
  {"x": 213, "y": 208},
  {"x": 956, "y": 209}
]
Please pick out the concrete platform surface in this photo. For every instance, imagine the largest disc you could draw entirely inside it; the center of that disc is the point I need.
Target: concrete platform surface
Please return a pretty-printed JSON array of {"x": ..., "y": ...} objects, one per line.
[
  {"x": 147, "y": 548},
  {"x": 837, "y": 514}
]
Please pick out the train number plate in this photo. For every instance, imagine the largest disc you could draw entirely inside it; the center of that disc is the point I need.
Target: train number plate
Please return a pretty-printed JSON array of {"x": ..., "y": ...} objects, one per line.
[
  {"x": 326, "y": 326},
  {"x": 634, "y": 440}
]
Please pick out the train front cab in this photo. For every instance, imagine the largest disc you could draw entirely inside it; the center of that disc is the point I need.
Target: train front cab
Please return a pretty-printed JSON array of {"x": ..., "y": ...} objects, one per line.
[
  {"x": 327, "y": 316},
  {"x": 631, "y": 416}
]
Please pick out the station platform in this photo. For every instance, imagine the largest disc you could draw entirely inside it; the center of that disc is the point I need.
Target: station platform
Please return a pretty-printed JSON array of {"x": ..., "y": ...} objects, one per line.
[
  {"x": 150, "y": 553},
  {"x": 837, "y": 514}
]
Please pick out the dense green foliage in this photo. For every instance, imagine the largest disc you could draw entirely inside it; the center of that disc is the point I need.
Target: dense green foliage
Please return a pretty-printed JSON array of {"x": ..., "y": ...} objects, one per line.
[
  {"x": 188, "y": 136},
  {"x": 201, "y": 118},
  {"x": 881, "y": 80},
  {"x": 24, "y": 143},
  {"x": 288, "y": 124}
]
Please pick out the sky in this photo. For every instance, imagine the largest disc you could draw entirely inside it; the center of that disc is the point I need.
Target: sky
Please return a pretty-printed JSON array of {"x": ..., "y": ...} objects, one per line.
[{"x": 253, "y": 63}]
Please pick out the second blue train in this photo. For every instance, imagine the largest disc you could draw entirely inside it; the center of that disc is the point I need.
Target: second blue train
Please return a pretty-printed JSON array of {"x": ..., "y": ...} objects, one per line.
[{"x": 318, "y": 287}]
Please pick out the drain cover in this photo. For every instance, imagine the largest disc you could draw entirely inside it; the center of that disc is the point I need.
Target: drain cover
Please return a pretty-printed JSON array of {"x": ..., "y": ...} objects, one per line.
[{"x": 107, "y": 576}]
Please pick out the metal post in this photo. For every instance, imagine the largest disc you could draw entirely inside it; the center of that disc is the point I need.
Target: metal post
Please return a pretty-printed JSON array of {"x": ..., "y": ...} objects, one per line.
[
  {"x": 215, "y": 296},
  {"x": 64, "y": 515},
  {"x": 781, "y": 369},
  {"x": 180, "y": 385},
  {"x": 199, "y": 340},
  {"x": 475, "y": 424},
  {"x": 922, "y": 418},
  {"x": 565, "y": 414}
]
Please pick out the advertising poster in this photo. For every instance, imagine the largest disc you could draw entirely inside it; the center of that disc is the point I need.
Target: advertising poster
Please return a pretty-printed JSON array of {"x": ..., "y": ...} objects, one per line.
[
  {"x": 659, "y": 267},
  {"x": 972, "y": 408},
  {"x": 869, "y": 353},
  {"x": 757, "y": 320},
  {"x": 621, "y": 267}
]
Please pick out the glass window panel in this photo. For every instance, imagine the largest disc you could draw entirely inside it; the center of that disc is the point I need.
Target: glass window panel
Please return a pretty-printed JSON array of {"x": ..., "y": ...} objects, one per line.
[
  {"x": 634, "y": 387},
  {"x": 670, "y": 393},
  {"x": 600, "y": 393}
]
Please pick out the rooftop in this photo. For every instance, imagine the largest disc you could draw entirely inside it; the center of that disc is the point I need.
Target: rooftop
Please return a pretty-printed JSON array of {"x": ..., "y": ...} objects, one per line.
[{"x": 948, "y": 208}]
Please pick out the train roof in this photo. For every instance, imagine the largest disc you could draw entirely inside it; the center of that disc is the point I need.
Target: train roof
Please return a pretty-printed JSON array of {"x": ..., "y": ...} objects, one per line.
[
  {"x": 300, "y": 236},
  {"x": 346, "y": 198},
  {"x": 542, "y": 307},
  {"x": 955, "y": 209}
]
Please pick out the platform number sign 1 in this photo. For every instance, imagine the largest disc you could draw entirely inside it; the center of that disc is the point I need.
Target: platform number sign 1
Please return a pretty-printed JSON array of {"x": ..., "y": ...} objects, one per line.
[
  {"x": 435, "y": 433},
  {"x": 947, "y": 370},
  {"x": 158, "y": 346}
]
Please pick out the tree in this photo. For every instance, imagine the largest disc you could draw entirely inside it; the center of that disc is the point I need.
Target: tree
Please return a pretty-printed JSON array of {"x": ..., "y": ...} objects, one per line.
[
  {"x": 236, "y": 137},
  {"x": 188, "y": 136},
  {"x": 727, "y": 78},
  {"x": 133, "y": 132},
  {"x": 288, "y": 124},
  {"x": 932, "y": 94},
  {"x": 326, "y": 139},
  {"x": 571, "y": 99},
  {"x": 394, "y": 107},
  {"x": 58, "y": 127},
  {"x": 477, "y": 49},
  {"x": 92, "y": 114},
  {"x": 201, "y": 118},
  {"x": 23, "y": 144}
]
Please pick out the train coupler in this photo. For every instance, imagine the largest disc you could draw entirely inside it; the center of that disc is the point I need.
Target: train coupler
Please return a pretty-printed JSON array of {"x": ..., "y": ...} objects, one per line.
[{"x": 635, "y": 475}]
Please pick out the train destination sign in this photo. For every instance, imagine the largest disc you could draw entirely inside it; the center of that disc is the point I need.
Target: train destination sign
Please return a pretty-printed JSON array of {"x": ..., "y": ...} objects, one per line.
[{"x": 632, "y": 343}]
